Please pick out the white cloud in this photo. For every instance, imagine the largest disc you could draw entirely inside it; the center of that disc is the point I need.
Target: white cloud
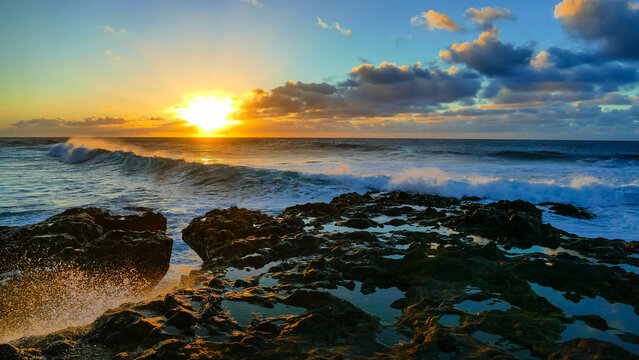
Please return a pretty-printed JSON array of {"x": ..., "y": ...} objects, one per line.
[
  {"x": 432, "y": 20},
  {"x": 109, "y": 29},
  {"x": 253, "y": 2},
  {"x": 345, "y": 32},
  {"x": 322, "y": 24},
  {"x": 110, "y": 54},
  {"x": 337, "y": 26}
]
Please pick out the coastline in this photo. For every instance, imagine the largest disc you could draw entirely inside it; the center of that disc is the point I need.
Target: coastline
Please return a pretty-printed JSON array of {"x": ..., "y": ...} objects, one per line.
[{"x": 379, "y": 275}]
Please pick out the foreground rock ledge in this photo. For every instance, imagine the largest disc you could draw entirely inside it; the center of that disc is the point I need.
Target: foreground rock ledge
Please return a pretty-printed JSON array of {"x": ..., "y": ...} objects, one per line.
[
  {"x": 380, "y": 275},
  {"x": 79, "y": 249}
]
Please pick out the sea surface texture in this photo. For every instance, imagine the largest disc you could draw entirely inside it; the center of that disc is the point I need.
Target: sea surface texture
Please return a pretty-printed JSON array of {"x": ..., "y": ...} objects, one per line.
[{"x": 184, "y": 177}]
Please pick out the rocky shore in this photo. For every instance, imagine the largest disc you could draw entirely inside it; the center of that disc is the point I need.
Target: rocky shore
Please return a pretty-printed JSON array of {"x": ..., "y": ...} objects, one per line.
[{"x": 379, "y": 275}]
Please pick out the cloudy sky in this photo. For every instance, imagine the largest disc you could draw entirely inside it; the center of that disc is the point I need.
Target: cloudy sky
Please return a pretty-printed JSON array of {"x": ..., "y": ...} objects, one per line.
[{"x": 364, "y": 68}]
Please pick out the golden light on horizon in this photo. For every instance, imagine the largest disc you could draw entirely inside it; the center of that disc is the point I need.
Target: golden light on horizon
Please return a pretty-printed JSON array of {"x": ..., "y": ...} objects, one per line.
[{"x": 208, "y": 112}]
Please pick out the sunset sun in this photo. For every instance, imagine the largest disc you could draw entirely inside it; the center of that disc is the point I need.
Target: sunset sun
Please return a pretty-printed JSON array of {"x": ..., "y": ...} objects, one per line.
[{"x": 207, "y": 112}]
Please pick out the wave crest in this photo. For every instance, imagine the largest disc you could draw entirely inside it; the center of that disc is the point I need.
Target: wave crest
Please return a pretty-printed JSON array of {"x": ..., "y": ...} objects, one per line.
[{"x": 580, "y": 189}]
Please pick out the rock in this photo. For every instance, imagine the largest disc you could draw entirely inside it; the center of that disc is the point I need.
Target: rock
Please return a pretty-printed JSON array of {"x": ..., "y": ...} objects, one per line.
[
  {"x": 182, "y": 319},
  {"x": 629, "y": 338},
  {"x": 358, "y": 223},
  {"x": 312, "y": 210},
  {"x": 8, "y": 352},
  {"x": 91, "y": 239},
  {"x": 594, "y": 321},
  {"x": 590, "y": 349},
  {"x": 58, "y": 347},
  {"x": 79, "y": 251},
  {"x": 569, "y": 210},
  {"x": 297, "y": 299}
]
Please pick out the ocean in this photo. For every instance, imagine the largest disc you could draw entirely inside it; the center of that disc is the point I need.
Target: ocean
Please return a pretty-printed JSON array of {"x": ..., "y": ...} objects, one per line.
[{"x": 184, "y": 177}]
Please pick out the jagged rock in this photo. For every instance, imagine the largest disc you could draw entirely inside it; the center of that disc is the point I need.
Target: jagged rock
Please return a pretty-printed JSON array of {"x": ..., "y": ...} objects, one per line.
[
  {"x": 91, "y": 239},
  {"x": 569, "y": 210},
  {"x": 297, "y": 291},
  {"x": 590, "y": 349}
]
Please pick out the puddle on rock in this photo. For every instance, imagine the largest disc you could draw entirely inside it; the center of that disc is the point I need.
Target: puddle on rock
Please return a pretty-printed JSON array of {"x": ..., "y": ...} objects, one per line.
[
  {"x": 620, "y": 317},
  {"x": 449, "y": 320},
  {"x": 390, "y": 337},
  {"x": 247, "y": 272},
  {"x": 377, "y": 303},
  {"x": 243, "y": 311},
  {"x": 475, "y": 307},
  {"x": 498, "y": 341}
]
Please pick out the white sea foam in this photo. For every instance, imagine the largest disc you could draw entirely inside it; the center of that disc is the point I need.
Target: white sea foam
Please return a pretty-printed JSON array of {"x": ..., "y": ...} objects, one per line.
[{"x": 270, "y": 176}]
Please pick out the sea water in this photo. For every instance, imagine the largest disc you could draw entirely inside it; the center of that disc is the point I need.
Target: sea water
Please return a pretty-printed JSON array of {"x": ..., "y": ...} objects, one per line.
[{"x": 184, "y": 177}]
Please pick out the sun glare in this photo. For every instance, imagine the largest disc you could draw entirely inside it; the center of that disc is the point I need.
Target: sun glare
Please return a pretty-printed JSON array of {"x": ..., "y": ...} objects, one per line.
[{"x": 208, "y": 112}]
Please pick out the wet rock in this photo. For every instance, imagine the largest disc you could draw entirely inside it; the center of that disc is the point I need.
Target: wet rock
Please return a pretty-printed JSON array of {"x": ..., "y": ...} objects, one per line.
[
  {"x": 594, "y": 321},
  {"x": 182, "y": 319},
  {"x": 590, "y": 349},
  {"x": 91, "y": 239},
  {"x": 8, "y": 352},
  {"x": 569, "y": 210},
  {"x": 298, "y": 291},
  {"x": 629, "y": 338},
  {"x": 312, "y": 210},
  {"x": 358, "y": 223},
  {"x": 58, "y": 347}
]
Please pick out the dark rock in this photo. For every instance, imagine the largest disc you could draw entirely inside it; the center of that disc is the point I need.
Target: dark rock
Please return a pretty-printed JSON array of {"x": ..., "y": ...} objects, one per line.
[
  {"x": 569, "y": 210},
  {"x": 629, "y": 338},
  {"x": 590, "y": 349},
  {"x": 91, "y": 239},
  {"x": 8, "y": 352},
  {"x": 358, "y": 223},
  {"x": 594, "y": 321},
  {"x": 434, "y": 274},
  {"x": 182, "y": 319},
  {"x": 312, "y": 210},
  {"x": 470, "y": 198},
  {"x": 58, "y": 347}
]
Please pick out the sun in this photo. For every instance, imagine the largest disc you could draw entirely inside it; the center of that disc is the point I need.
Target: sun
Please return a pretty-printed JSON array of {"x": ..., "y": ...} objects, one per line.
[{"x": 208, "y": 112}]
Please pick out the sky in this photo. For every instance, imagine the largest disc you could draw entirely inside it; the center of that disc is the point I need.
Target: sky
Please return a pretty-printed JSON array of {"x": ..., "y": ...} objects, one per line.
[{"x": 332, "y": 68}]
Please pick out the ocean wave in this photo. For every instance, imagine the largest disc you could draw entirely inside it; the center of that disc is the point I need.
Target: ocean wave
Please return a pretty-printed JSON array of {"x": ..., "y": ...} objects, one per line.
[
  {"x": 582, "y": 190},
  {"x": 71, "y": 154},
  {"x": 529, "y": 155}
]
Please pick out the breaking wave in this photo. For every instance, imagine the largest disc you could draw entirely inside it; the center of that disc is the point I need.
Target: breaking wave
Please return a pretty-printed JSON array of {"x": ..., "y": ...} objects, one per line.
[{"x": 580, "y": 189}]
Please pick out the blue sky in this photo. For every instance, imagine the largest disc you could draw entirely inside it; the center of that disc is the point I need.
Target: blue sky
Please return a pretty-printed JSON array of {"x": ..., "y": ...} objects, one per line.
[{"x": 68, "y": 61}]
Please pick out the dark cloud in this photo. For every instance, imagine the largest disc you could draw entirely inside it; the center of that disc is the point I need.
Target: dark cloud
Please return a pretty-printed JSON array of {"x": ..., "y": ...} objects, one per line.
[
  {"x": 615, "y": 23},
  {"x": 369, "y": 91},
  {"x": 488, "y": 54},
  {"x": 57, "y": 122},
  {"x": 98, "y": 126},
  {"x": 580, "y": 78}
]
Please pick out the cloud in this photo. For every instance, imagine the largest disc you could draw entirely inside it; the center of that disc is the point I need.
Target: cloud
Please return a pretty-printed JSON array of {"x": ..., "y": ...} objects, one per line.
[
  {"x": 99, "y": 126},
  {"x": 487, "y": 15},
  {"x": 109, "y": 29},
  {"x": 432, "y": 20},
  {"x": 613, "y": 23},
  {"x": 322, "y": 23},
  {"x": 253, "y": 2},
  {"x": 114, "y": 57},
  {"x": 401, "y": 39},
  {"x": 345, "y": 32},
  {"x": 369, "y": 91},
  {"x": 488, "y": 54},
  {"x": 337, "y": 26}
]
